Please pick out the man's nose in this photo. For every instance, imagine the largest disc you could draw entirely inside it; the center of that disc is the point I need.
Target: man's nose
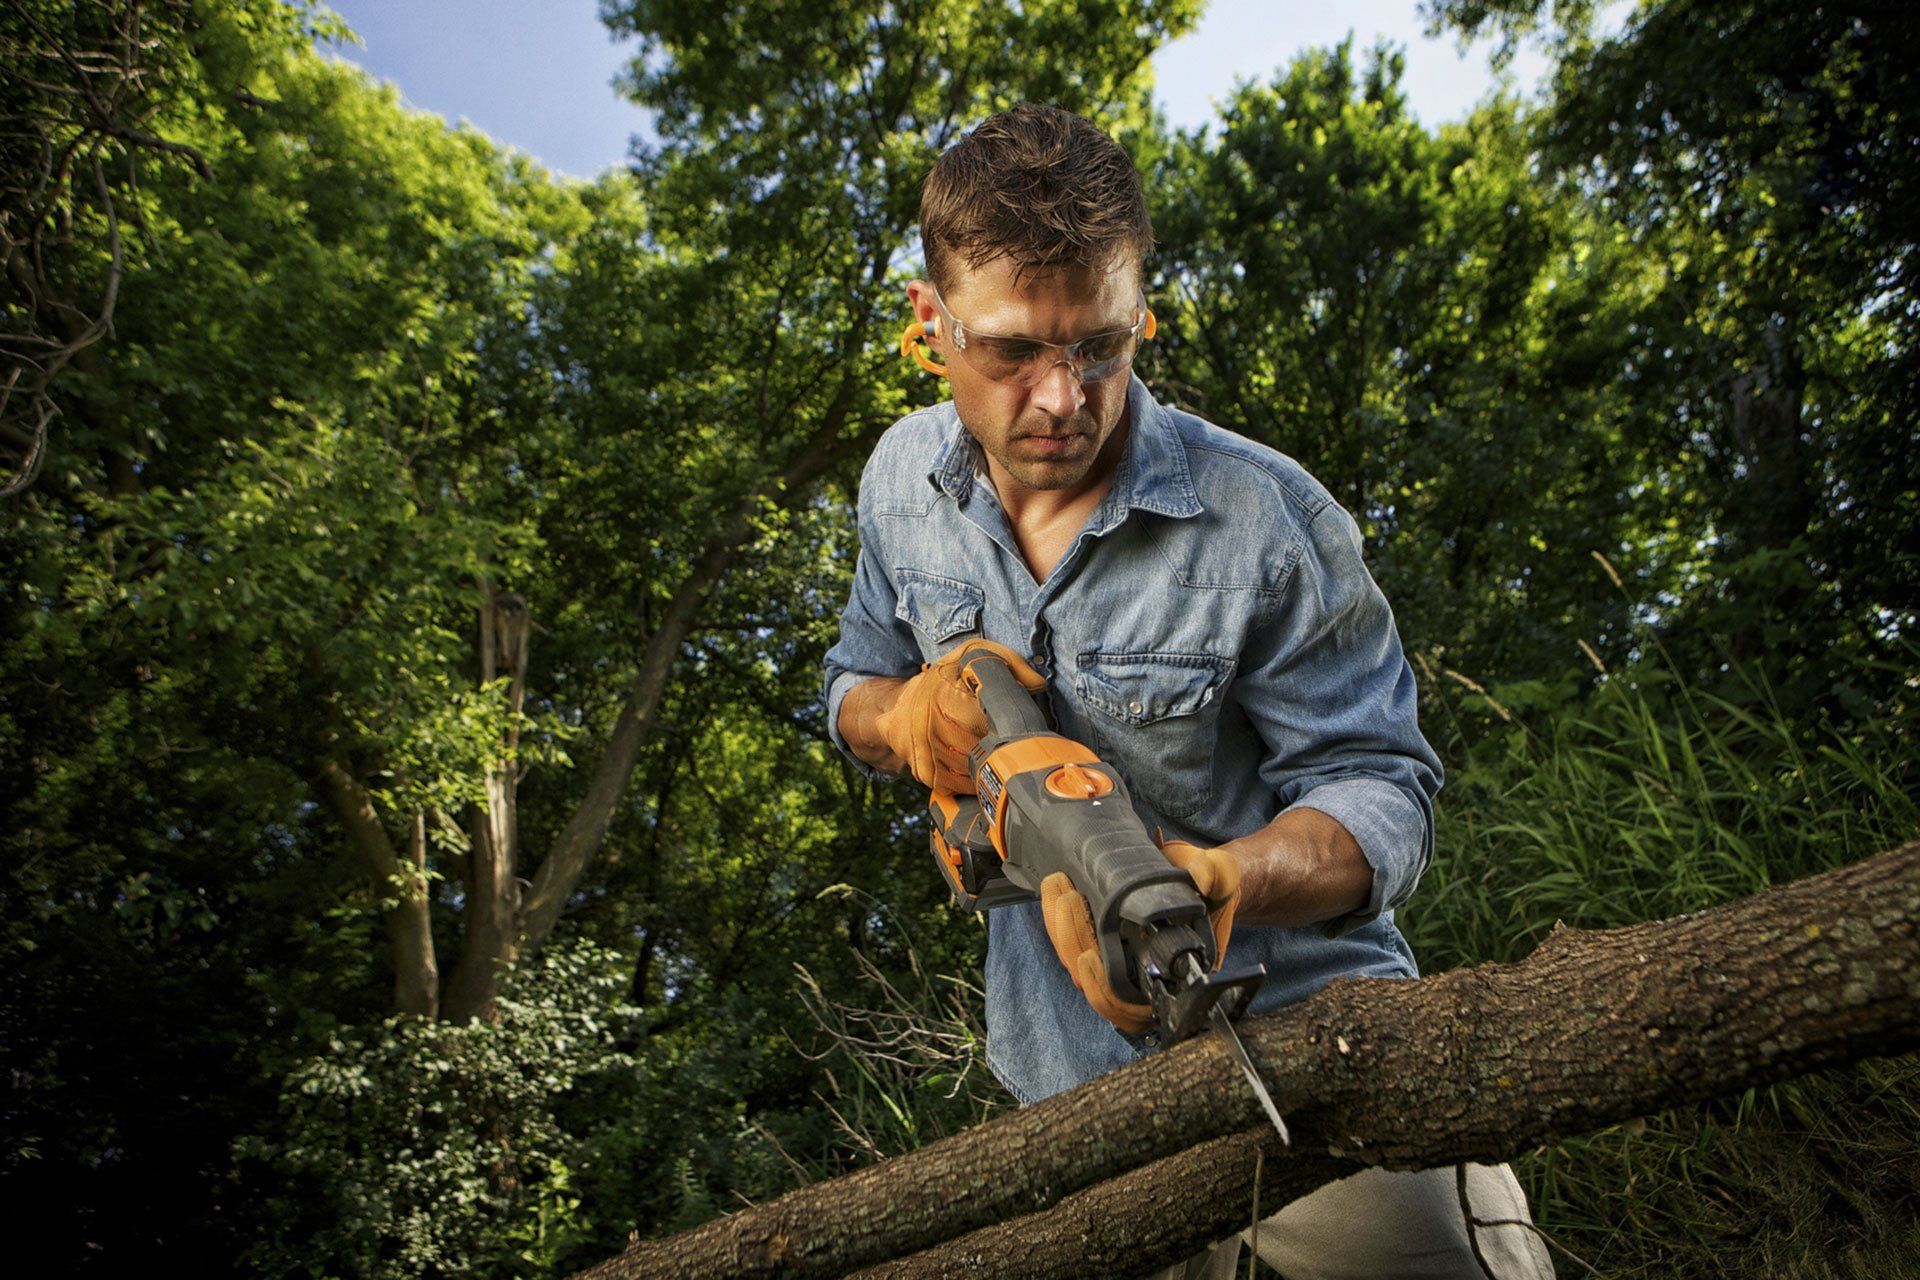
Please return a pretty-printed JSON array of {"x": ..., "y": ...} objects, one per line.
[{"x": 1059, "y": 391}]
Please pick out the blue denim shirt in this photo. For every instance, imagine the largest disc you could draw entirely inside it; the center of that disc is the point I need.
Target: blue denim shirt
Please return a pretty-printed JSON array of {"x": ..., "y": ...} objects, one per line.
[{"x": 1211, "y": 632}]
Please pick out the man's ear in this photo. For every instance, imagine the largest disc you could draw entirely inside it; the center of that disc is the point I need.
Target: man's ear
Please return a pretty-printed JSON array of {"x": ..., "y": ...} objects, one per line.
[{"x": 921, "y": 302}]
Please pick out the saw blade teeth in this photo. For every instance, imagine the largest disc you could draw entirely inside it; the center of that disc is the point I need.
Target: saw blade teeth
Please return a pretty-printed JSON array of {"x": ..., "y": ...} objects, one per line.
[{"x": 1225, "y": 1026}]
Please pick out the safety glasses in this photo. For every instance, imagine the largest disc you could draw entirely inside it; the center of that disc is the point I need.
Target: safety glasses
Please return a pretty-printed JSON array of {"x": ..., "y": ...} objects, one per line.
[{"x": 1023, "y": 362}]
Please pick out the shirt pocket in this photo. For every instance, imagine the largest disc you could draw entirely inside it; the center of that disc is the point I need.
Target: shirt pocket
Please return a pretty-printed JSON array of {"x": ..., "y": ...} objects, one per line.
[
  {"x": 1157, "y": 718},
  {"x": 937, "y": 608}
]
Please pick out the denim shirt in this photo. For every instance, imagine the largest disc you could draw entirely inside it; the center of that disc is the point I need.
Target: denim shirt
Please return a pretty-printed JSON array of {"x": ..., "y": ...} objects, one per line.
[{"x": 1211, "y": 632}]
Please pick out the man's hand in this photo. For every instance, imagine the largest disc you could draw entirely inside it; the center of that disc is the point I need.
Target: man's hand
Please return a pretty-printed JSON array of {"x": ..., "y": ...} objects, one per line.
[
  {"x": 1070, "y": 927},
  {"x": 1216, "y": 874},
  {"x": 934, "y": 720}
]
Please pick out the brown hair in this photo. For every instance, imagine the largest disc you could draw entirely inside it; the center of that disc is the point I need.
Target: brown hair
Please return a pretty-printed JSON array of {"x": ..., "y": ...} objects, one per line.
[{"x": 1042, "y": 186}]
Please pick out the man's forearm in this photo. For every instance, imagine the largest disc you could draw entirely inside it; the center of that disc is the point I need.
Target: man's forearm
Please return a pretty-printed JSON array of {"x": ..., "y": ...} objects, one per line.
[
  {"x": 1302, "y": 868},
  {"x": 862, "y": 705}
]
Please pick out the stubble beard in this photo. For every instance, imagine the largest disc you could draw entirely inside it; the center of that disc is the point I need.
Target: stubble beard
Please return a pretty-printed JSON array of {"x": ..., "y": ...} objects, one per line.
[{"x": 1045, "y": 473}]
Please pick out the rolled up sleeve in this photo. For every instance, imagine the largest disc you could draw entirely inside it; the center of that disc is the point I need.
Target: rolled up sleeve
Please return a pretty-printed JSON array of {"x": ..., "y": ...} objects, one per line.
[
  {"x": 1326, "y": 684},
  {"x": 872, "y": 642}
]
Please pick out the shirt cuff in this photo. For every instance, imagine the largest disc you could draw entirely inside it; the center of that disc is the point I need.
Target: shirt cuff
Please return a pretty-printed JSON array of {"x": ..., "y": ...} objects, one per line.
[
  {"x": 836, "y": 694},
  {"x": 1391, "y": 831}
]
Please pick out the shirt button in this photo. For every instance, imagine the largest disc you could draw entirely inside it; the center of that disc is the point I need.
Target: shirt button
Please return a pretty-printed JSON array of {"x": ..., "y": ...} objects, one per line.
[
  {"x": 1135, "y": 707},
  {"x": 1038, "y": 660}
]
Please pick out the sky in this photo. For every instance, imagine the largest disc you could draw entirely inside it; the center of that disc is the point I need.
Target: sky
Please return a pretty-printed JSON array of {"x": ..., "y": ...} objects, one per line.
[{"x": 537, "y": 74}]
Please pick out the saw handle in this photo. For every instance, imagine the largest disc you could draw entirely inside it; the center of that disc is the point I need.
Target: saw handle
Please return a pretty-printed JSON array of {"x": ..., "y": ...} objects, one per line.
[{"x": 1011, "y": 711}]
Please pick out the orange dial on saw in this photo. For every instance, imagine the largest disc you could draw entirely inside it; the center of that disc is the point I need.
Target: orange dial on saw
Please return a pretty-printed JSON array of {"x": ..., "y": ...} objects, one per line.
[{"x": 1077, "y": 782}]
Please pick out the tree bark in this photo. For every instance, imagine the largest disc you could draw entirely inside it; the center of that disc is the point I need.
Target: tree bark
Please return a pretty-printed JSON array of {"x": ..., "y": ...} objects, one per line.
[{"x": 1479, "y": 1064}]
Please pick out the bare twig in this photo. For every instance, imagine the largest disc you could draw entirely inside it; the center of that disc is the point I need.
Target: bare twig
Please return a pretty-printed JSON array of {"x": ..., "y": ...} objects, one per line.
[{"x": 92, "y": 81}]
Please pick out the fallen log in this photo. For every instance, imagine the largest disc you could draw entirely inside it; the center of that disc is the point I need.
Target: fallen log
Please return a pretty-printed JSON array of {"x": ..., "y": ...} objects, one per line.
[
  {"x": 1135, "y": 1223},
  {"x": 1479, "y": 1064}
]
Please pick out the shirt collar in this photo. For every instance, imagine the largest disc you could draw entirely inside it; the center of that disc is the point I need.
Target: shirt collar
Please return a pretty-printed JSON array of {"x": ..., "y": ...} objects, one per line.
[
  {"x": 1157, "y": 477},
  {"x": 953, "y": 470},
  {"x": 1153, "y": 474}
]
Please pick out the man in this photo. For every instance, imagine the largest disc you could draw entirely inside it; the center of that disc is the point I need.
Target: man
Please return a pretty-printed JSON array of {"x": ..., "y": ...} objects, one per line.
[{"x": 1193, "y": 605}]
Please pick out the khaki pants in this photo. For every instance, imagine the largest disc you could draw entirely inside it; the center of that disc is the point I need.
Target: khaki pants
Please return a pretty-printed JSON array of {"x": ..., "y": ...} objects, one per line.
[{"x": 1378, "y": 1225}]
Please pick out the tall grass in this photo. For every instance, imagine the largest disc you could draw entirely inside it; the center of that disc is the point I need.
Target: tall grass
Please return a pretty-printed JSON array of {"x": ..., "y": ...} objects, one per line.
[{"x": 1646, "y": 799}]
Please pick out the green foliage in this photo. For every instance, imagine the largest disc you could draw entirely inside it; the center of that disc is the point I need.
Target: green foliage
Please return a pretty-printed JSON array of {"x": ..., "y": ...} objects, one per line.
[
  {"x": 1758, "y": 157},
  {"x": 247, "y": 550},
  {"x": 422, "y": 1148}
]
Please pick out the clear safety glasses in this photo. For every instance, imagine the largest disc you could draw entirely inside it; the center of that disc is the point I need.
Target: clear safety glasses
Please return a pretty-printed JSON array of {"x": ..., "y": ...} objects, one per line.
[{"x": 1023, "y": 362}]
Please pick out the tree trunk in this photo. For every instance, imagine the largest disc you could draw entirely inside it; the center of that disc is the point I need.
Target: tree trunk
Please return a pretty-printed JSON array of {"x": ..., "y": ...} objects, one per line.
[
  {"x": 416, "y": 984},
  {"x": 491, "y": 942},
  {"x": 1479, "y": 1064},
  {"x": 1776, "y": 503}
]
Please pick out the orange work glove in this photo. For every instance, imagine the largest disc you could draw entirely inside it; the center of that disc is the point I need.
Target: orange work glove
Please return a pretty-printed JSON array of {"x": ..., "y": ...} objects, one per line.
[
  {"x": 1070, "y": 927},
  {"x": 1216, "y": 874},
  {"x": 937, "y": 720}
]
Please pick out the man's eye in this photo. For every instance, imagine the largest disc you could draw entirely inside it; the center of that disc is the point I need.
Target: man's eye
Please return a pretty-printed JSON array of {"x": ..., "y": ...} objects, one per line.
[
  {"x": 1011, "y": 350},
  {"x": 1105, "y": 346}
]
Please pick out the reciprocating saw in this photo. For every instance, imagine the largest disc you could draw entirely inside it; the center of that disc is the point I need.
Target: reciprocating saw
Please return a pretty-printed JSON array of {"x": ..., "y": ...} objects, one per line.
[{"x": 1046, "y": 803}]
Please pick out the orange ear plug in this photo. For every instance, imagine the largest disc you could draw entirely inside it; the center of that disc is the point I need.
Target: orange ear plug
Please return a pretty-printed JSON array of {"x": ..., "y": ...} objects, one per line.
[{"x": 909, "y": 346}]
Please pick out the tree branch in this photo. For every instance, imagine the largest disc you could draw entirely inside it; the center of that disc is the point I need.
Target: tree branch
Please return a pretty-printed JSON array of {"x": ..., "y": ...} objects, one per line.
[
  {"x": 566, "y": 861},
  {"x": 416, "y": 977},
  {"x": 1133, "y": 1224}
]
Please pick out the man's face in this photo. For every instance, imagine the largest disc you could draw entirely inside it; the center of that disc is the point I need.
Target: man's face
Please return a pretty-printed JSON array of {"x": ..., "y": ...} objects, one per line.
[{"x": 1049, "y": 435}]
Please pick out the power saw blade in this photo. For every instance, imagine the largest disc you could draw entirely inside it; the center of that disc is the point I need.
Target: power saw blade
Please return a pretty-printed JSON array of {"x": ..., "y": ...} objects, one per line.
[{"x": 1224, "y": 1024}]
